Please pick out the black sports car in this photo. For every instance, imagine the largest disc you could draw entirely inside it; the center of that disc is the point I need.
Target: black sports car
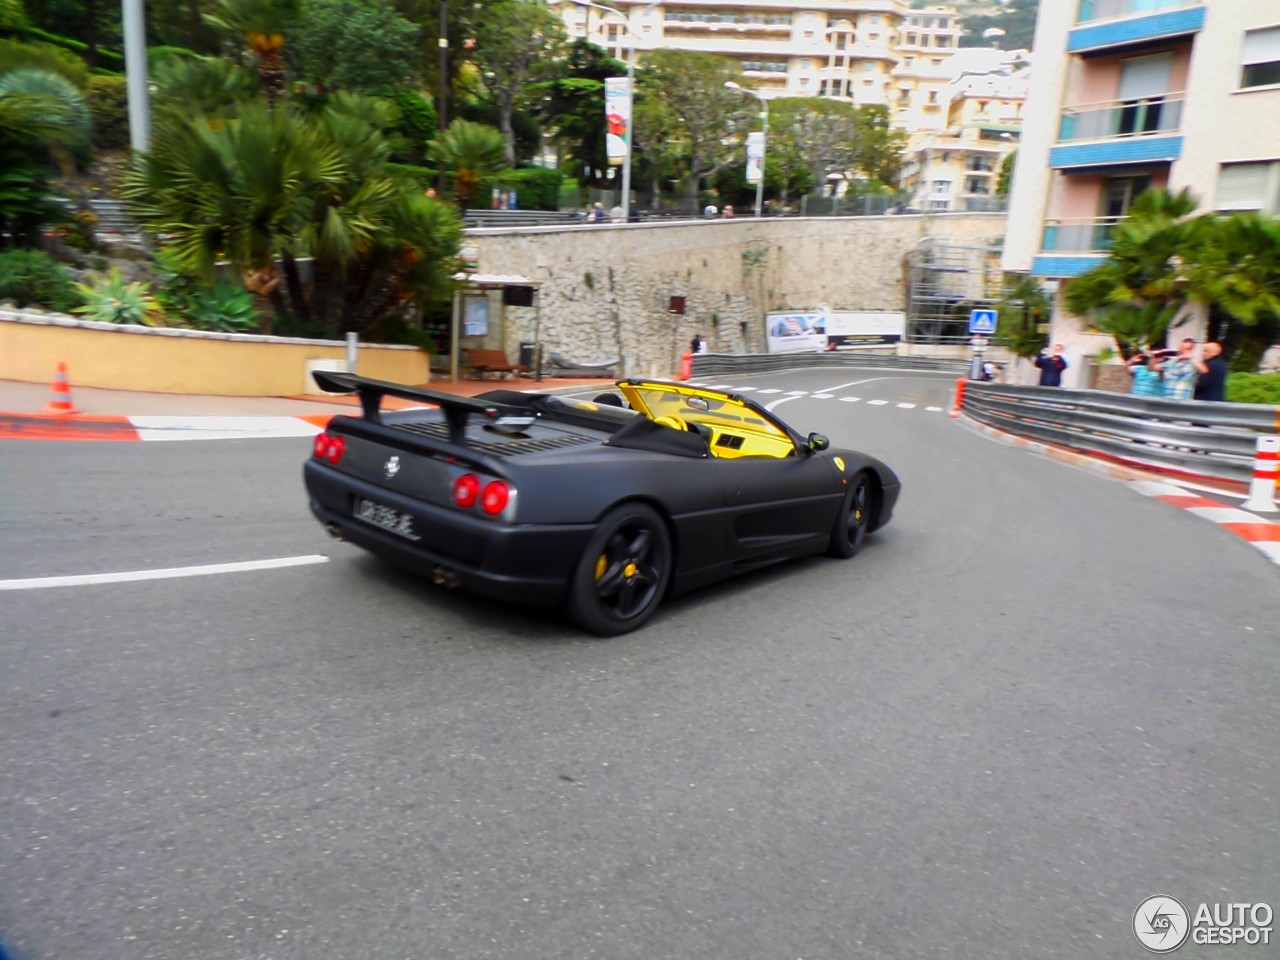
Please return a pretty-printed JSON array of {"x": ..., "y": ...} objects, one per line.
[{"x": 546, "y": 500}]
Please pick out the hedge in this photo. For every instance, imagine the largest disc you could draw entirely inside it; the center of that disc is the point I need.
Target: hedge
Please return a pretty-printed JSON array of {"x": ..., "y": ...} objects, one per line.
[
  {"x": 537, "y": 188},
  {"x": 1253, "y": 388}
]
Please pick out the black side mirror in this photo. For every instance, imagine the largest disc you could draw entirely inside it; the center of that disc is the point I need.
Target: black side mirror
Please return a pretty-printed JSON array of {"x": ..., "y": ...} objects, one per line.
[{"x": 818, "y": 443}]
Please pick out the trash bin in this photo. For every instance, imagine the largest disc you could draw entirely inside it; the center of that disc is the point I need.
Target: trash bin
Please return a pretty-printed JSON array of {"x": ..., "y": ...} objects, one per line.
[{"x": 527, "y": 352}]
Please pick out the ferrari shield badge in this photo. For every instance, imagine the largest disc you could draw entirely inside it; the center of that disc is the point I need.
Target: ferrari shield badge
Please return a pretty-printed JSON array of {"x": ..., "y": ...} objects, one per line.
[
  {"x": 391, "y": 467},
  {"x": 839, "y": 463}
]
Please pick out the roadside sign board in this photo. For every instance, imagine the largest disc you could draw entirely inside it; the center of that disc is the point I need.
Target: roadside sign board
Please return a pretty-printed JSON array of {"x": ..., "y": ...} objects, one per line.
[{"x": 982, "y": 321}]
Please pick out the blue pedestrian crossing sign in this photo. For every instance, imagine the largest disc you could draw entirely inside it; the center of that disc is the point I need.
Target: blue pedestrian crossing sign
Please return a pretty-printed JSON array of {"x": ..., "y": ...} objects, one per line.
[{"x": 982, "y": 321}]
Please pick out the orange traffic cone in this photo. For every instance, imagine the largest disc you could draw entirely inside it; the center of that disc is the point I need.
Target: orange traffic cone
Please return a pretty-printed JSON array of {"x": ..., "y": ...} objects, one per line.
[
  {"x": 60, "y": 398},
  {"x": 686, "y": 366}
]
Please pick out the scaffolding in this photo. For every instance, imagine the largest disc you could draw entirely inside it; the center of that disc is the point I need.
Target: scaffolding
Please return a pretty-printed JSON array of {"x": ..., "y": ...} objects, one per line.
[{"x": 947, "y": 282}]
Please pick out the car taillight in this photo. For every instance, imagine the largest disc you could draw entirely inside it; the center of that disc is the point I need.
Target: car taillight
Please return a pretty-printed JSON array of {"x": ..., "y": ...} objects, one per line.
[
  {"x": 329, "y": 447},
  {"x": 465, "y": 490},
  {"x": 496, "y": 495}
]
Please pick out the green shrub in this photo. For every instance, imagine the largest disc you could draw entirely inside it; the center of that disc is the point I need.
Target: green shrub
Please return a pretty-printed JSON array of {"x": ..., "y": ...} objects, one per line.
[
  {"x": 13, "y": 15},
  {"x": 109, "y": 299},
  {"x": 395, "y": 329},
  {"x": 1253, "y": 388},
  {"x": 537, "y": 188},
  {"x": 32, "y": 278},
  {"x": 422, "y": 176},
  {"x": 106, "y": 58},
  {"x": 15, "y": 55},
  {"x": 108, "y": 103},
  {"x": 157, "y": 56}
]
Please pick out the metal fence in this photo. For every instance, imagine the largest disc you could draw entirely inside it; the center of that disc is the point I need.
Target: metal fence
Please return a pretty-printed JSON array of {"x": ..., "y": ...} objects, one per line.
[
  {"x": 1215, "y": 440},
  {"x": 716, "y": 364}
]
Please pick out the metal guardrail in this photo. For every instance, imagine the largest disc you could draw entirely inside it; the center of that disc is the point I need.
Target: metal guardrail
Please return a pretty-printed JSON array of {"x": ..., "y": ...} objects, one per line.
[
  {"x": 714, "y": 364},
  {"x": 1215, "y": 440}
]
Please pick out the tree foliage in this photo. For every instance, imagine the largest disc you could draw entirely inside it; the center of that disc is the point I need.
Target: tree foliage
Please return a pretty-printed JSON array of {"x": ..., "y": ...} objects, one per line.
[
  {"x": 361, "y": 46},
  {"x": 1018, "y": 21},
  {"x": 569, "y": 100},
  {"x": 704, "y": 123},
  {"x": 512, "y": 38}
]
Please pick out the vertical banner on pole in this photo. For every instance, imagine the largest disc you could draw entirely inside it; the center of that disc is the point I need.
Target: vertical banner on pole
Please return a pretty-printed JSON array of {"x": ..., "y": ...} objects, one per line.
[
  {"x": 755, "y": 157},
  {"x": 617, "y": 111}
]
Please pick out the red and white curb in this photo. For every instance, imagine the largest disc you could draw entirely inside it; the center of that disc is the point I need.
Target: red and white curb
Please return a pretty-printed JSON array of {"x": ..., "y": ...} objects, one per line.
[
  {"x": 1263, "y": 535},
  {"x": 42, "y": 427}
]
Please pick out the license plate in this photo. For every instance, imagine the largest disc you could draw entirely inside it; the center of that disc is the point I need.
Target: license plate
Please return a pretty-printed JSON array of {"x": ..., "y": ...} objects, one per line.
[{"x": 385, "y": 517}]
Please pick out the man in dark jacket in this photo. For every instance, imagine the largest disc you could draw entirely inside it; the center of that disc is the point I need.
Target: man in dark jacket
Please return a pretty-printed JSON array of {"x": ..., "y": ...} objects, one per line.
[
  {"x": 1212, "y": 382},
  {"x": 1051, "y": 366}
]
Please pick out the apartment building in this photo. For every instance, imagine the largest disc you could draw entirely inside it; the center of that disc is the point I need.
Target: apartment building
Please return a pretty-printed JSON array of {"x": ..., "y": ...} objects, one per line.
[
  {"x": 1131, "y": 94},
  {"x": 957, "y": 168},
  {"x": 858, "y": 51}
]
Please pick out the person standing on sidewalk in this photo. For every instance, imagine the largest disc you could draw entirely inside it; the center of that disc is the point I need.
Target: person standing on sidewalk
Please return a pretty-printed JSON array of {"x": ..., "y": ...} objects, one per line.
[
  {"x": 1180, "y": 372},
  {"x": 1148, "y": 381},
  {"x": 1211, "y": 385},
  {"x": 1051, "y": 366}
]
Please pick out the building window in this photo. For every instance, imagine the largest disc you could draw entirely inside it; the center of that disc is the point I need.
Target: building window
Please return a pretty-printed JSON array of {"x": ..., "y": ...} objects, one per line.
[
  {"x": 939, "y": 204},
  {"x": 1249, "y": 186},
  {"x": 933, "y": 97},
  {"x": 909, "y": 62},
  {"x": 1261, "y": 58},
  {"x": 911, "y": 39},
  {"x": 940, "y": 187},
  {"x": 977, "y": 185}
]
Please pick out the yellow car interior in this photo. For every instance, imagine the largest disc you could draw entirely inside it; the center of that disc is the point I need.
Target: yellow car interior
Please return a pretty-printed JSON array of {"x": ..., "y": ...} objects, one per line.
[{"x": 731, "y": 429}]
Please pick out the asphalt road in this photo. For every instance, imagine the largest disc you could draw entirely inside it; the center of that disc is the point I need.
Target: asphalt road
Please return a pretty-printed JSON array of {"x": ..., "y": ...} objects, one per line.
[{"x": 1032, "y": 701}]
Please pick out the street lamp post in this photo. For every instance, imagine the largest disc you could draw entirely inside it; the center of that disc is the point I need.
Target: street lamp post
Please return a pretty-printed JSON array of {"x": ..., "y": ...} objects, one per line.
[
  {"x": 631, "y": 91},
  {"x": 764, "y": 104}
]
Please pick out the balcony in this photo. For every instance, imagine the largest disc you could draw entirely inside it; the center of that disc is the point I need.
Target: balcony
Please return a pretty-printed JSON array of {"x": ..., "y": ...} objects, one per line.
[
  {"x": 1070, "y": 247},
  {"x": 1129, "y": 118},
  {"x": 1110, "y": 24},
  {"x": 1142, "y": 149}
]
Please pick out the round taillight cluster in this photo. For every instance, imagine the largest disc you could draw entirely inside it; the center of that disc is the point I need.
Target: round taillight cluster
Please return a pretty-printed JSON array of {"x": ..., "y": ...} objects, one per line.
[
  {"x": 494, "y": 499},
  {"x": 329, "y": 446},
  {"x": 466, "y": 489},
  {"x": 493, "y": 496}
]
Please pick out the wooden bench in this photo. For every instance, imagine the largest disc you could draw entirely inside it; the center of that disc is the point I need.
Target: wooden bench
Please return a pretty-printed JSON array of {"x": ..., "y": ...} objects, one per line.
[{"x": 491, "y": 361}]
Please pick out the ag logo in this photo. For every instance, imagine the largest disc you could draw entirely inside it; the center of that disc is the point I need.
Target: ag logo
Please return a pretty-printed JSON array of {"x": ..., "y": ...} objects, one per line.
[
  {"x": 392, "y": 467},
  {"x": 1161, "y": 924}
]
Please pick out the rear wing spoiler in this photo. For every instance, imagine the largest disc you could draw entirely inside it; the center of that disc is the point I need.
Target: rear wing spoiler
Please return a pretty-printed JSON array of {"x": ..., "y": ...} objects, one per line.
[{"x": 456, "y": 409}]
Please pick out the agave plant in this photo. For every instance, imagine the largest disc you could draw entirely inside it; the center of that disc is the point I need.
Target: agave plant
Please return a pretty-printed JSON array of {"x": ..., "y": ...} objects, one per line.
[
  {"x": 225, "y": 308},
  {"x": 109, "y": 299}
]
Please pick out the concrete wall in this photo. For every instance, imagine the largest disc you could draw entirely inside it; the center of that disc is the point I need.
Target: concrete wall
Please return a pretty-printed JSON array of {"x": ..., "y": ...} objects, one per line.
[
  {"x": 164, "y": 360},
  {"x": 604, "y": 291}
]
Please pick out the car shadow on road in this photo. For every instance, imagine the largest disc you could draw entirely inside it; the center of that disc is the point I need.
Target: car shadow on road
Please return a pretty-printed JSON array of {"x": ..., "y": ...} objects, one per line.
[{"x": 515, "y": 623}]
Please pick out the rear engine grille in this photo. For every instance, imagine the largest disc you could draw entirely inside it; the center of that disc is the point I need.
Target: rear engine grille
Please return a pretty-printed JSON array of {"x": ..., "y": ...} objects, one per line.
[
  {"x": 729, "y": 441},
  {"x": 497, "y": 444}
]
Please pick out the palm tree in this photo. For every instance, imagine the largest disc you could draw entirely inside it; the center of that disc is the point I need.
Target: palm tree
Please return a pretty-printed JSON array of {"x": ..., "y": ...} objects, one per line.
[
  {"x": 1022, "y": 308},
  {"x": 274, "y": 184},
  {"x": 40, "y": 113},
  {"x": 1136, "y": 293},
  {"x": 471, "y": 152},
  {"x": 261, "y": 25},
  {"x": 1237, "y": 274}
]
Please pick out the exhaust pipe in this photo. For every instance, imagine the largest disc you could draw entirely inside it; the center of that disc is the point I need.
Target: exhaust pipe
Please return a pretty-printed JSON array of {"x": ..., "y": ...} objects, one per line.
[
  {"x": 334, "y": 532},
  {"x": 444, "y": 577}
]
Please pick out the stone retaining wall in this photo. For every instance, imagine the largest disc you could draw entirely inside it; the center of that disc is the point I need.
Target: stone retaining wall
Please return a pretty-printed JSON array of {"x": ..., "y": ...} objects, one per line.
[{"x": 605, "y": 290}]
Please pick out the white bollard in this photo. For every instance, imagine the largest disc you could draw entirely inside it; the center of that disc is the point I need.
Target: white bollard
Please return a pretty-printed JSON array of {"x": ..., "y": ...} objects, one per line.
[{"x": 1262, "y": 489}]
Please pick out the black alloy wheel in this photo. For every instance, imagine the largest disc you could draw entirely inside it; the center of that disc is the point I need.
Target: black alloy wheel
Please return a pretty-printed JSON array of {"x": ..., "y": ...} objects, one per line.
[
  {"x": 623, "y": 573},
  {"x": 854, "y": 519}
]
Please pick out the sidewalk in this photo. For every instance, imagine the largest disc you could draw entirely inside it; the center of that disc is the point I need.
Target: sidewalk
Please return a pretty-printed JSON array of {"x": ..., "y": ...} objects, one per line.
[
  {"x": 18, "y": 399},
  {"x": 124, "y": 415}
]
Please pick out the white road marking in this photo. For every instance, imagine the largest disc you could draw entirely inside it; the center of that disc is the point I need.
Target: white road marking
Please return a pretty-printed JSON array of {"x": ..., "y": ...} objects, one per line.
[
  {"x": 1271, "y": 550},
  {"x": 220, "y": 428},
  {"x": 1224, "y": 514},
  {"x": 169, "y": 573},
  {"x": 906, "y": 406},
  {"x": 822, "y": 396},
  {"x": 850, "y": 399},
  {"x": 742, "y": 389},
  {"x": 771, "y": 390},
  {"x": 797, "y": 393},
  {"x": 877, "y": 403},
  {"x": 934, "y": 409}
]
